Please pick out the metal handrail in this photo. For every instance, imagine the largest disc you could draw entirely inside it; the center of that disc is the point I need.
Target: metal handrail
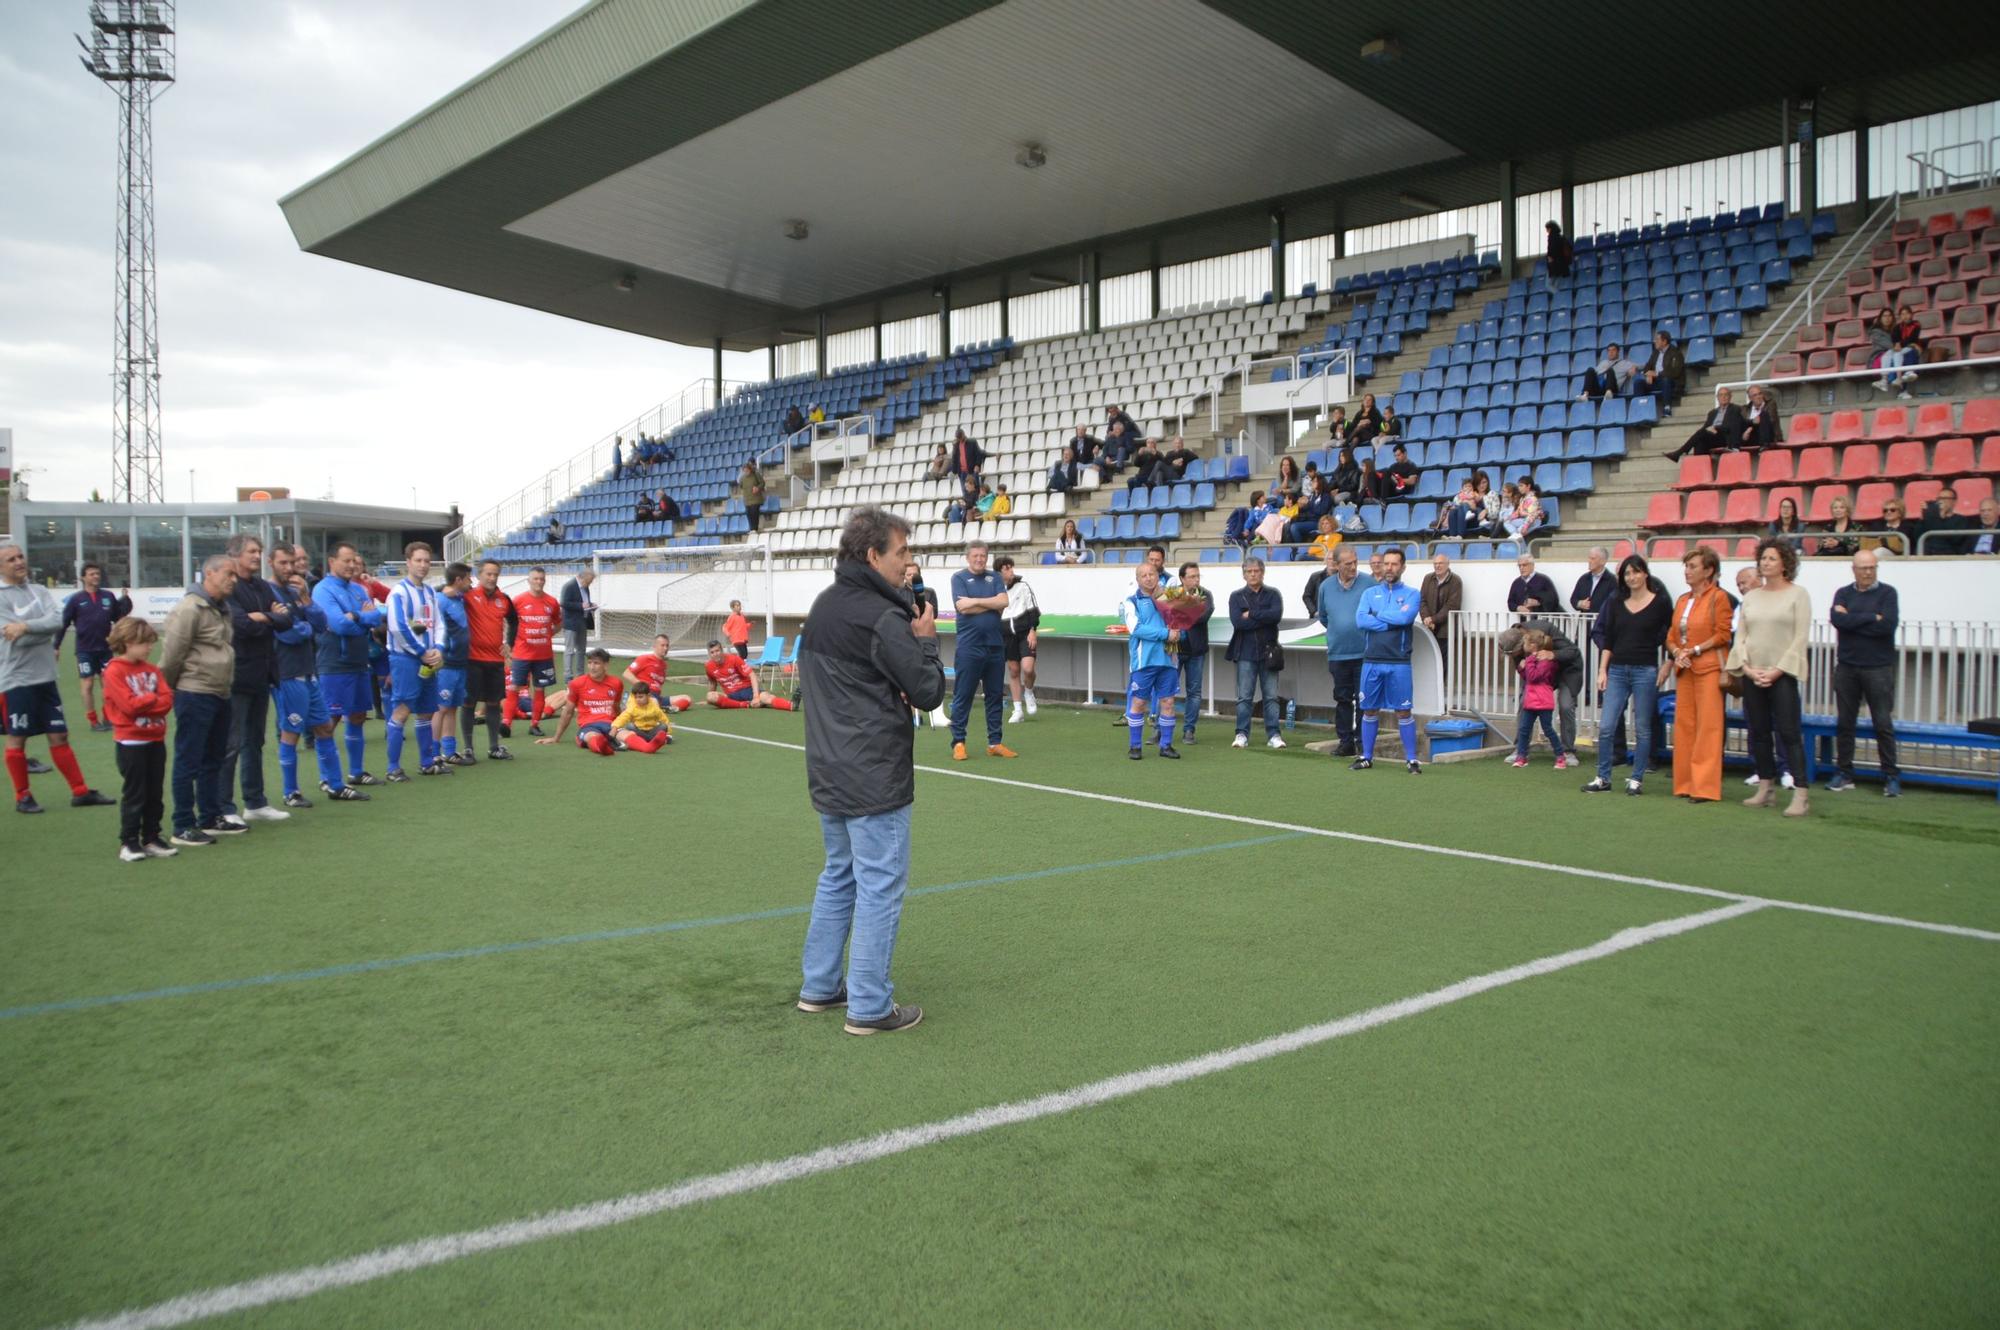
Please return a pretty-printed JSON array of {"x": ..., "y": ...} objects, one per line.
[
  {"x": 1825, "y": 376},
  {"x": 1858, "y": 245},
  {"x": 1927, "y": 165}
]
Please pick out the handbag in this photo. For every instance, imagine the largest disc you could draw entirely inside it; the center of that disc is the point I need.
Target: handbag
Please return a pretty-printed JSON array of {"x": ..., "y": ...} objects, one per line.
[{"x": 1732, "y": 684}]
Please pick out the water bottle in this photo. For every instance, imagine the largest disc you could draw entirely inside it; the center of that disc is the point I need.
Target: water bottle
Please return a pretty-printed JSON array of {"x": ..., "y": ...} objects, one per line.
[{"x": 1291, "y": 713}]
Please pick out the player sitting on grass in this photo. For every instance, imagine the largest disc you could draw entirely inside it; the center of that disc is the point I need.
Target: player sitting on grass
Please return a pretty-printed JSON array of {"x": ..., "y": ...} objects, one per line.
[
  {"x": 650, "y": 668},
  {"x": 593, "y": 704},
  {"x": 642, "y": 725},
  {"x": 735, "y": 685}
]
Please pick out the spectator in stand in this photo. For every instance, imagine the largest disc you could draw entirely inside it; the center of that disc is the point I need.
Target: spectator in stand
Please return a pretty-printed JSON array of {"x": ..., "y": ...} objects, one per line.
[
  {"x": 1193, "y": 654},
  {"x": 1314, "y": 507},
  {"x": 1463, "y": 513},
  {"x": 665, "y": 509},
  {"x": 1769, "y": 656},
  {"x": 95, "y": 612},
  {"x": 1721, "y": 430},
  {"x": 1255, "y": 612},
  {"x": 980, "y": 656},
  {"x": 754, "y": 493},
  {"x": 1560, "y": 253},
  {"x": 1334, "y": 603},
  {"x": 967, "y": 457},
  {"x": 1603, "y": 378},
  {"x": 1864, "y": 666},
  {"x": 1489, "y": 503},
  {"x": 1985, "y": 537},
  {"x": 1941, "y": 517},
  {"x": 1066, "y": 474},
  {"x": 1373, "y": 488},
  {"x": 1884, "y": 354},
  {"x": 940, "y": 463},
  {"x": 1144, "y": 460},
  {"x": 1786, "y": 525},
  {"x": 1697, "y": 643},
  {"x": 1532, "y": 592},
  {"x": 1346, "y": 478},
  {"x": 1367, "y": 422},
  {"x": 1442, "y": 593},
  {"x": 579, "y": 618},
  {"x": 617, "y": 458},
  {"x": 1635, "y": 621},
  {"x": 643, "y": 511},
  {"x": 955, "y": 511},
  {"x": 1901, "y": 530},
  {"x": 1071, "y": 547},
  {"x": 1086, "y": 445},
  {"x": 794, "y": 419},
  {"x": 1841, "y": 536},
  {"x": 817, "y": 415},
  {"x": 1392, "y": 424},
  {"x": 1664, "y": 375},
  {"x": 1288, "y": 476},
  {"x": 198, "y": 661},
  {"x": 1003, "y": 503},
  {"x": 1762, "y": 427},
  {"x": 736, "y": 630},
  {"x": 1528, "y": 511},
  {"x": 982, "y": 507},
  {"x": 556, "y": 532},
  {"x": 1115, "y": 419},
  {"x": 1327, "y": 539},
  {"x": 1593, "y": 591},
  {"x": 1118, "y": 449},
  {"x": 139, "y": 701},
  {"x": 1508, "y": 503},
  {"x": 1399, "y": 480},
  {"x": 1174, "y": 463},
  {"x": 1336, "y": 423}
]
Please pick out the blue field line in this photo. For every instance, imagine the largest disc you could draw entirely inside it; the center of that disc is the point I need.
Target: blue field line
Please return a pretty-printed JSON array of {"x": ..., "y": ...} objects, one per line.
[{"x": 608, "y": 935}]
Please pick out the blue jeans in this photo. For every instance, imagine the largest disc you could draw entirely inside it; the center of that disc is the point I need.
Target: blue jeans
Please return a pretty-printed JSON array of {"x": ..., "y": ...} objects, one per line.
[
  {"x": 249, "y": 719},
  {"x": 1639, "y": 685},
  {"x": 972, "y": 669},
  {"x": 201, "y": 756},
  {"x": 1524, "y": 731},
  {"x": 860, "y": 896},
  {"x": 1462, "y": 519},
  {"x": 1250, "y": 677},
  {"x": 1194, "y": 667}
]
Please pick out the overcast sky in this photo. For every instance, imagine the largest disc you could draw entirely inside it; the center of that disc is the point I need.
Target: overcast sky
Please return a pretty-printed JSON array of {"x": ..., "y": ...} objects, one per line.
[{"x": 278, "y": 367}]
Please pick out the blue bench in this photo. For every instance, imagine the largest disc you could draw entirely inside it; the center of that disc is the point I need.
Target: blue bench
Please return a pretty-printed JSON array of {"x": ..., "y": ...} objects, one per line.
[{"x": 1820, "y": 732}]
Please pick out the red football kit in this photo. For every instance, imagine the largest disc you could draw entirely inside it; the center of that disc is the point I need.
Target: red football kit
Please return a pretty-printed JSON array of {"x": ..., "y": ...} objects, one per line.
[
  {"x": 730, "y": 675},
  {"x": 537, "y": 619},
  {"x": 487, "y": 617},
  {"x": 652, "y": 669},
  {"x": 596, "y": 701}
]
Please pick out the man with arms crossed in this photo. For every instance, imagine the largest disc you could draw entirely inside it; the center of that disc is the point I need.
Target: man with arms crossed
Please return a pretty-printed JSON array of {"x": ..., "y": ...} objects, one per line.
[
  {"x": 864, "y": 663},
  {"x": 301, "y": 706},
  {"x": 1387, "y": 614},
  {"x": 979, "y": 657},
  {"x": 344, "y": 678},
  {"x": 257, "y": 613}
]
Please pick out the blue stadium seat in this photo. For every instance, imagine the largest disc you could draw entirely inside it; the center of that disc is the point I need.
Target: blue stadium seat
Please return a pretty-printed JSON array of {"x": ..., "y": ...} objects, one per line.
[
  {"x": 1121, "y": 501},
  {"x": 1578, "y": 478},
  {"x": 1239, "y": 467},
  {"x": 1170, "y": 526},
  {"x": 1478, "y": 549},
  {"x": 1127, "y": 528},
  {"x": 1181, "y": 496},
  {"x": 1204, "y": 495},
  {"x": 1701, "y": 352}
]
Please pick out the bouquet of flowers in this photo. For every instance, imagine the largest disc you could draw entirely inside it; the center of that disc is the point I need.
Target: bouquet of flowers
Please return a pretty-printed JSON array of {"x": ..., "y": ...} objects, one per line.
[{"x": 1180, "y": 607}]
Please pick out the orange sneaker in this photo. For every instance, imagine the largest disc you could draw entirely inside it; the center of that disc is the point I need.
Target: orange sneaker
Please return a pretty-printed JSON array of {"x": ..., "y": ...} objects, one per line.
[
  {"x": 1000, "y": 750},
  {"x": 958, "y": 752}
]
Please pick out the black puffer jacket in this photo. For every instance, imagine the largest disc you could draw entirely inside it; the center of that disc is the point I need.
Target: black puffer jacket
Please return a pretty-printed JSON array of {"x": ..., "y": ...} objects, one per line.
[{"x": 861, "y": 669}]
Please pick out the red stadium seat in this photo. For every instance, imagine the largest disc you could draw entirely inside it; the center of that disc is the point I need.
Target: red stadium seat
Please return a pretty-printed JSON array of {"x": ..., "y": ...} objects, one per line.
[
  {"x": 1941, "y": 224},
  {"x": 1744, "y": 508},
  {"x": 1949, "y": 296},
  {"x": 1970, "y": 321},
  {"x": 1906, "y": 230},
  {"x": 1920, "y": 250},
  {"x": 1951, "y": 348},
  {"x": 1620, "y": 551},
  {"x": 1989, "y": 458},
  {"x": 1822, "y": 502},
  {"x": 1668, "y": 551},
  {"x": 1955, "y": 245},
  {"x": 1891, "y": 422},
  {"x": 1989, "y": 240},
  {"x": 1804, "y": 429},
  {"x": 1868, "y": 501},
  {"x": 1930, "y": 323},
  {"x": 1977, "y": 219},
  {"x": 1952, "y": 457},
  {"x": 1918, "y": 493},
  {"x": 1846, "y": 428},
  {"x": 1906, "y": 461},
  {"x": 1848, "y": 332},
  {"x": 1872, "y": 304},
  {"x": 1982, "y": 416},
  {"x": 1836, "y": 309},
  {"x": 1933, "y": 421},
  {"x": 1773, "y": 497},
  {"x": 1823, "y": 362},
  {"x": 1972, "y": 491},
  {"x": 1815, "y": 465},
  {"x": 1704, "y": 509},
  {"x": 1812, "y": 337},
  {"x": 1697, "y": 472},
  {"x": 1732, "y": 469},
  {"x": 1986, "y": 344},
  {"x": 1774, "y": 467},
  {"x": 1663, "y": 510},
  {"x": 1858, "y": 358},
  {"x": 1860, "y": 282},
  {"x": 1934, "y": 271},
  {"x": 1897, "y": 278},
  {"x": 1787, "y": 366},
  {"x": 1988, "y": 290},
  {"x": 1885, "y": 254},
  {"x": 1977, "y": 268},
  {"x": 1746, "y": 548},
  {"x": 1859, "y": 462}
]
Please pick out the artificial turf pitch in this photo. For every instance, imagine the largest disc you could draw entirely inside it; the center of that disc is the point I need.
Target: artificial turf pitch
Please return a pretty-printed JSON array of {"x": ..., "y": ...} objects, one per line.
[{"x": 1783, "y": 1119}]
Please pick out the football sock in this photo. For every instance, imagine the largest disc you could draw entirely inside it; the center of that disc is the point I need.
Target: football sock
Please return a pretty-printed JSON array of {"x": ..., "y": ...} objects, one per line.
[
  {"x": 357, "y": 747},
  {"x": 288, "y": 766},
  {"x": 679, "y": 702},
  {"x": 467, "y": 722},
  {"x": 541, "y": 704},
  {"x": 599, "y": 743},
  {"x": 1368, "y": 727},
  {"x": 1406, "y": 730},
  {"x": 646, "y": 744},
  {"x": 492, "y": 729},
  {"x": 730, "y": 704},
  {"x": 427, "y": 749},
  {"x": 394, "y": 742},
  {"x": 92, "y": 716},
  {"x": 328, "y": 754},
  {"x": 65, "y": 759},
  {"x": 17, "y": 768},
  {"x": 1135, "y": 726},
  {"x": 510, "y": 709},
  {"x": 448, "y": 745},
  {"x": 1166, "y": 733},
  {"x": 781, "y": 704}
]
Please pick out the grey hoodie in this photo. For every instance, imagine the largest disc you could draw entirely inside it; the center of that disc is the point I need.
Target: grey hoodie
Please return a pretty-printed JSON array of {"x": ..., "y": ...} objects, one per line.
[{"x": 30, "y": 658}]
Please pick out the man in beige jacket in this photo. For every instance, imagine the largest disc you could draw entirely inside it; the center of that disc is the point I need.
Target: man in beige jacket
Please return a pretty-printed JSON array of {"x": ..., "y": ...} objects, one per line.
[{"x": 198, "y": 658}]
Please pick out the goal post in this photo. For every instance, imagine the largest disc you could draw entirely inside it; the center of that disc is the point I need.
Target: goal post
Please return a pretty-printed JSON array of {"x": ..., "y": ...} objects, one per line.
[{"x": 682, "y": 591}]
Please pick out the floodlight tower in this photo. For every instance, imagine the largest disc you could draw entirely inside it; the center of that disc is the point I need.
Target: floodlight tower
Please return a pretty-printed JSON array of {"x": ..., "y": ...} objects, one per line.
[{"x": 131, "y": 50}]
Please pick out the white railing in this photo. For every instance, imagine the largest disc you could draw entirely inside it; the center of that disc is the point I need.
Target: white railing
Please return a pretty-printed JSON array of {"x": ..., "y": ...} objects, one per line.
[
  {"x": 561, "y": 481},
  {"x": 1947, "y": 670},
  {"x": 1835, "y": 375},
  {"x": 1402, "y": 256},
  {"x": 1830, "y": 280},
  {"x": 1933, "y": 179}
]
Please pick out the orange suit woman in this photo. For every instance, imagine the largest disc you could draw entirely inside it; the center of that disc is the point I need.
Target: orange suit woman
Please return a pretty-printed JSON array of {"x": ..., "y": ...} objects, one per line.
[{"x": 1698, "y": 645}]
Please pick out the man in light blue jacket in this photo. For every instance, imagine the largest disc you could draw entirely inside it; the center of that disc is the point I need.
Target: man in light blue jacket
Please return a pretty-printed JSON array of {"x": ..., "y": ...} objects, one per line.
[
  {"x": 1154, "y": 675},
  {"x": 1340, "y": 594}
]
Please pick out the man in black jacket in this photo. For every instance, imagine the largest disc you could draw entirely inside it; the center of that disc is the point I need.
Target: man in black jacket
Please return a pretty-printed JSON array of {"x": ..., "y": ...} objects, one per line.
[
  {"x": 864, "y": 662},
  {"x": 579, "y": 618},
  {"x": 1532, "y": 592},
  {"x": 1721, "y": 430},
  {"x": 256, "y": 611},
  {"x": 1665, "y": 372},
  {"x": 1193, "y": 650},
  {"x": 1255, "y": 611},
  {"x": 1594, "y": 589},
  {"x": 967, "y": 457},
  {"x": 1066, "y": 474}
]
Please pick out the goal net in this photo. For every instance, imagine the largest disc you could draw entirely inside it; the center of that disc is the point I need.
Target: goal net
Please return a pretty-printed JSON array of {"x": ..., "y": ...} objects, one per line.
[{"x": 691, "y": 591}]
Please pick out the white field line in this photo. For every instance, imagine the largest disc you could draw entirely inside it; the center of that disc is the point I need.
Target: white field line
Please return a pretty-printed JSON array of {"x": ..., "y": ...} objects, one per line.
[
  {"x": 1657, "y": 884},
  {"x": 306, "y": 1281}
]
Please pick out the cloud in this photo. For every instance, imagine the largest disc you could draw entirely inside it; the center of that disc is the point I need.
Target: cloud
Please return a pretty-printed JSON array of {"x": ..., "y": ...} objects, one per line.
[{"x": 280, "y": 367}]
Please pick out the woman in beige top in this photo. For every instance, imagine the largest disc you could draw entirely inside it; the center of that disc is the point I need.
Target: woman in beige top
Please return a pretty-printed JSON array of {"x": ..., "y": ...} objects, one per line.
[{"x": 1769, "y": 656}]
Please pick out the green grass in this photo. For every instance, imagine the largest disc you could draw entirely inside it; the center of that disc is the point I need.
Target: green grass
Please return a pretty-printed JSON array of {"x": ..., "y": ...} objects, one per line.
[{"x": 1781, "y": 1120}]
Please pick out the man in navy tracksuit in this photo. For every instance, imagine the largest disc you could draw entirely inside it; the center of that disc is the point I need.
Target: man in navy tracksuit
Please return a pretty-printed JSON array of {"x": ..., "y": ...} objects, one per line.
[
  {"x": 301, "y": 707},
  {"x": 980, "y": 657},
  {"x": 93, "y": 610}
]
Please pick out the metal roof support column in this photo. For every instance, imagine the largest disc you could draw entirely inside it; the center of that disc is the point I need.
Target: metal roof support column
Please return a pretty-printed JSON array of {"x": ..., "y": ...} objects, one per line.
[
  {"x": 878, "y": 339},
  {"x": 1153, "y": 278},
  {"x": 943, "y": 292},
  {"x": 1861, "y": 190},
  {"x": 1568, "y": 205},
  {"x": 1785, "y": 153},
  {"x": 718, "y": 371},
  {"x": 1095, "y": 322},
  {"x": 1510, "y": 222},
  {"x": 819, "y": 347},
  {"x": 1005, "y": 287},
  {"x": 1278, "y": 289},
  {"x": 771, "y": 372}
]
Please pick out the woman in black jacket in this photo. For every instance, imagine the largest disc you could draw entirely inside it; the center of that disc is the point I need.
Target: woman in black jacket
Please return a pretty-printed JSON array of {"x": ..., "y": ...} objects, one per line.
[
  {"x": 1346, "y": 478},
  {"x": 1631, "y": 631},
  {"x": 1367, "y": 422}
]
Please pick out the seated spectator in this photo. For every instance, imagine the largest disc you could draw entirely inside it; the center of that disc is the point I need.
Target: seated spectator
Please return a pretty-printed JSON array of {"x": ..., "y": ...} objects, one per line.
[
  {"x": 1489, "y": 503},
  {"x": 1502, "y": 509},
  {"x": 556, "y": 534},
  {"x": 1066, "y": 474},
  {"x": 1603, "y": 378},
  {"x": 1118, "y": 446},
  {"x": 1086, "y": 445},
  {"x": 1267, "y": 519},
  {"x": 665, "y": 509},
  {"x": 1841, "y": 536},
  {"x": 1762, "y": 428},
  {"x": 1002, "y": 505},
  {"x": 1942, "y": 515},
  {"x": 982, "y": 507},
  {"x": 1400, "y": 477},
  {"x": 1336, "y": 424},
  {"x": 955, "y": 511},
  {"x": 1901, "y": 530},
  {"x": 1288, "y": 475},
  {"x": 794, "y": 420},
  {"x": 1372, "y": 487},
  {"x": 1984, "y": 536},
  {"x": 1721, "y": 431},
  {"x": 1176, "y": 461},
  {"x": 1071, "y": 547},
  {"x": 643, "y": 511},
  {"x": 1315, "y": 508},
  {"x": 1367, "y": 422},
  {"x": 1114, "y": 416},
  {"x": 1664, "y": 375},
  {"x": 1326, "y": 541},
  {"x": 1910, "y": 336},
  {"x": 1346, "y": 478},
  {"x": 1528, "y": 512},
  {"x": 940, "y": 465},
  {"x": 1885, "y": 355},
  {"x": 817, "y": 415},
  {"x": 967, "y": 457},
  {"x": 1143, "y": 461},
  {"x": 1464, "y": 513},
  {"x": 1786, "y": 526},
  {"x": 1392, "y": 424}
]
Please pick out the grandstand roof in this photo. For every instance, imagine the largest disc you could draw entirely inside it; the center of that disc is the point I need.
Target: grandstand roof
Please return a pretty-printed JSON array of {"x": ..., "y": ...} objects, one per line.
[{"x": 675, "y": 139}]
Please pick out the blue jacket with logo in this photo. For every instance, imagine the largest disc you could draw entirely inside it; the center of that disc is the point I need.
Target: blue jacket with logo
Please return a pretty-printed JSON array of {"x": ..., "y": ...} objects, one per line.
[
  {"x": 1146, "y": 633},
  {"x": 297, "y": 654},
  {"x": 93, "y": 613},
  {"x": 456, "y": 629},
  {"x": 1386, "y": 612},
  {"x": 344, "y": 647}
]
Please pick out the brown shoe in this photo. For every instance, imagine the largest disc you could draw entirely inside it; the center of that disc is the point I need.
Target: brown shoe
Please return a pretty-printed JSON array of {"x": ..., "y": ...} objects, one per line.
[
  {"x": 1767, "y": 794},
  {"x": 958, "y": 752},
  {"x": 1800, "y": 805},
  {"x": 1000, "y": 750}
]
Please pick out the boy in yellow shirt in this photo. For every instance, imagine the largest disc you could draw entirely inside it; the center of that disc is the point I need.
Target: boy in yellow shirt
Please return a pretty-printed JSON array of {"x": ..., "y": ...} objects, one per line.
[{"x": 642, "y": 726}]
